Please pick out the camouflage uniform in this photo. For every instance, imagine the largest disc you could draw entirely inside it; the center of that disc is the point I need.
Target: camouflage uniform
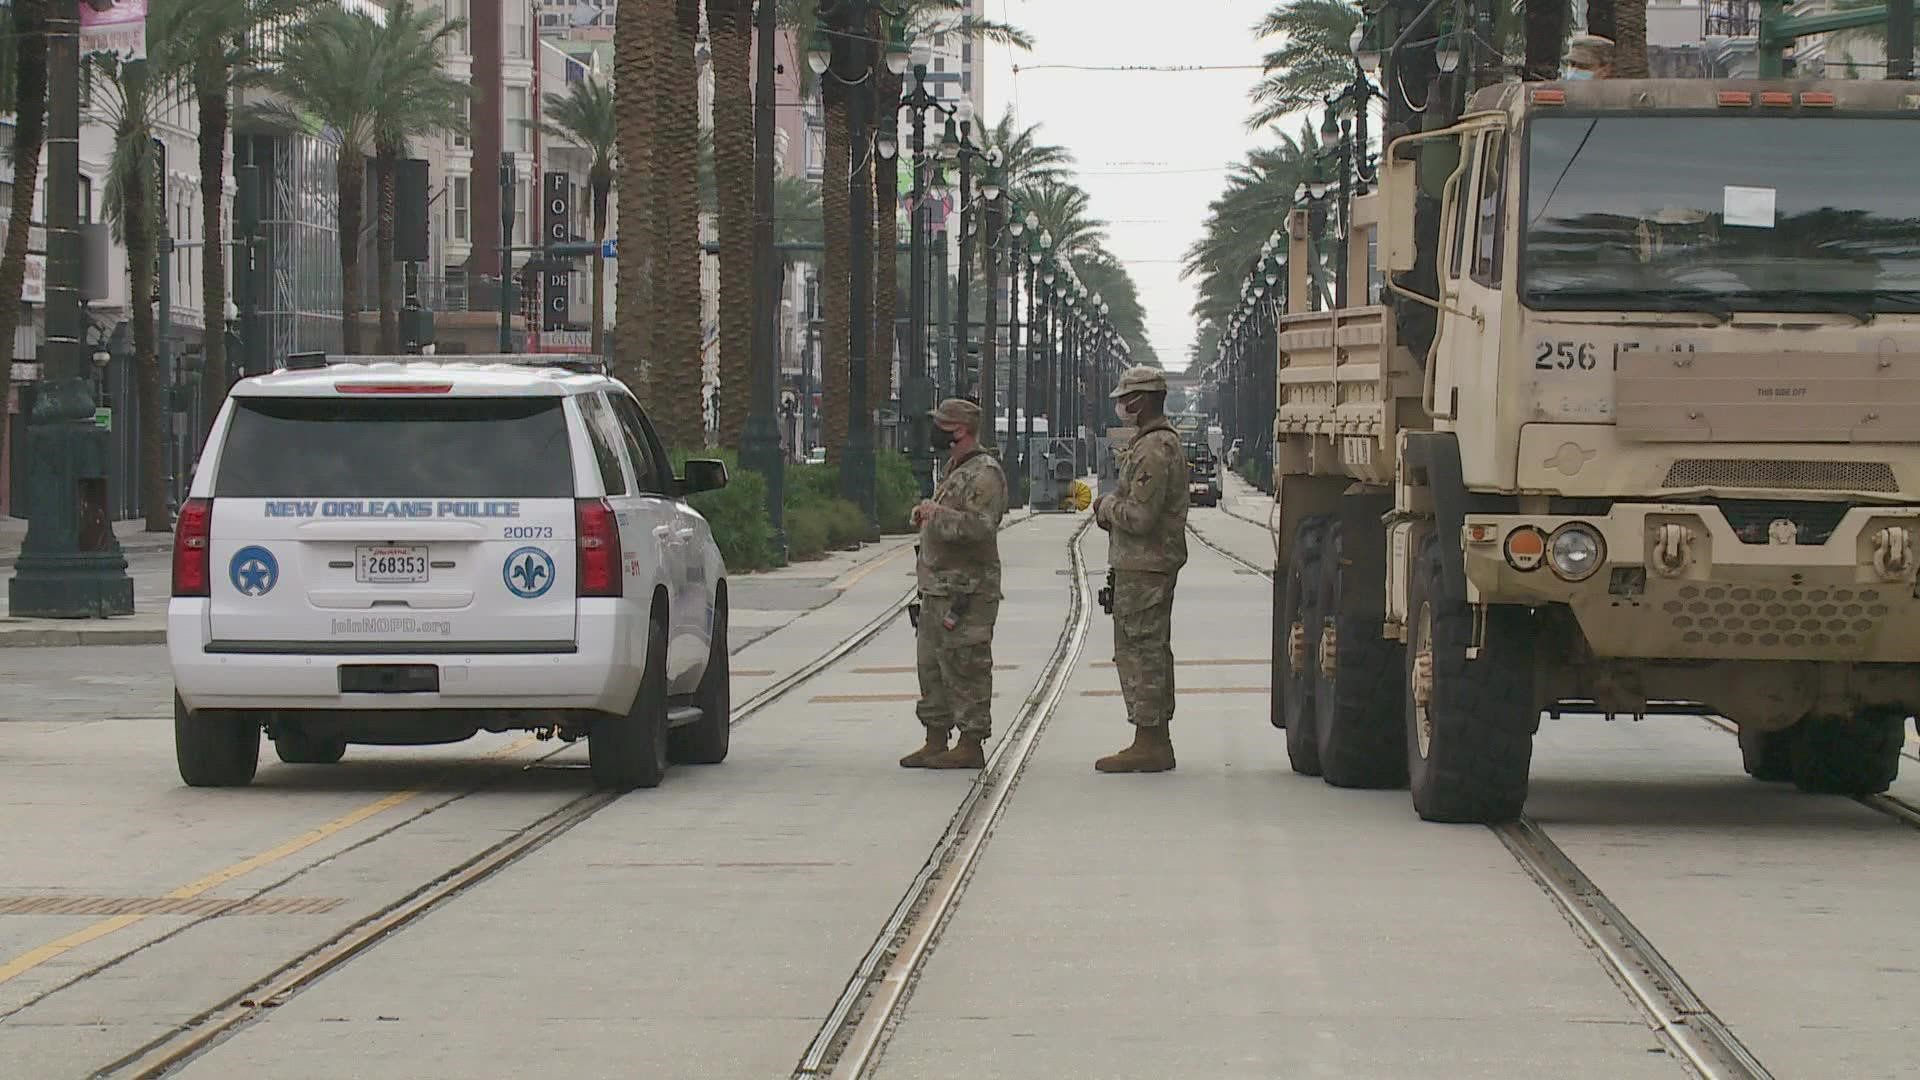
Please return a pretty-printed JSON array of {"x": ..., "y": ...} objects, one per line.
[
  {"x": 959, "y": 555},
  {"x": 1146, "y": 522}
]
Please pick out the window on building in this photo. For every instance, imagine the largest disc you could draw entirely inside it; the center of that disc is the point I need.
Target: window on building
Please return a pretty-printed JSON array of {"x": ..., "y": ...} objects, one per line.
[
  {"x": 457, "y": 11},
  {"x": 522, "y": 211},
  {"x": 460, "y": 209},
  {"x": 517, "y": 136},
  {"x": 513, "y": 29},
  {"x": 466, "y": 115}
]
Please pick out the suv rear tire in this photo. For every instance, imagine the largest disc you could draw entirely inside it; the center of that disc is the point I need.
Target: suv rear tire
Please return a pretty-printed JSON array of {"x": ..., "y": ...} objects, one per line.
[
  {"x": 296, "y": 747},
  {"x": 705, "y": 741},
  {"x": 630, "y": 751},
  {"x": 215, "y": 747}
]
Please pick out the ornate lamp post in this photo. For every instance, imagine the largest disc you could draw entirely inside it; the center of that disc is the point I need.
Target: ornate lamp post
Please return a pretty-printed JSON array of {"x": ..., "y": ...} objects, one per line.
[{"x": 70, "y": 564}]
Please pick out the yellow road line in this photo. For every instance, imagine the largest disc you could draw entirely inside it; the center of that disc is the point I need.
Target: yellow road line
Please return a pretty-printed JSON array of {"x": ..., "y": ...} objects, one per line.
[
  {"x": 33, "y": 958},
  {"x": 854, "y": 576}
]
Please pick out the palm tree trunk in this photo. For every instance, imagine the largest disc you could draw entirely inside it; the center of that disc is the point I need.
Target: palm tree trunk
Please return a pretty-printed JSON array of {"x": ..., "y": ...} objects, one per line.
[
  {"x": 213, "y": 281},
  {"x": 1545, "y": 24},
  {"x": 350, "y": 175},
  {"x": 677, "y": 379},
  {"x": 138, "y": 220},
  {"x": 836, "y": 275},
  {"x": 1600, "y": 19},
  {"x": 386, "y": 165},
  {"x": 602, "y": 186},
  {"x": 886, "y": 241},
  {"x": 729, "y": 25},
  {"x": 30, "y": 131},
  {"x": 1630, "y": 44},
  {"x": 634, "y": 93}
]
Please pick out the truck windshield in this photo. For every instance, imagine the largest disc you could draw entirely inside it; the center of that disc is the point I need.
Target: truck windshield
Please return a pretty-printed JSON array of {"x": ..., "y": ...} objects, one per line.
[{"x": 1719, "y": 214}]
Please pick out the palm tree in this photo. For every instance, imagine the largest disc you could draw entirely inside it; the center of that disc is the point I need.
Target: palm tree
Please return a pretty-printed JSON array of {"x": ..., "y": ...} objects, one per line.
[
  {"x": 1062, "y": 210},
  {"x": 1630, "y": 41},
  {"x": 24, "y": 94},
  {"x": 330, "y": 72},
  {"x": 1313, "y": 59},
  {"x": 635, "y": 37},
  {"x": 730, "y": 31},
  {"x": 1546, "y": 37},
  {"x": 1026, "y": 160},
  {"x": 132, "y": 95},
  {"x": 584, "y": 116},
  {"x": 1259, "y": 194},
  {"x": 224, "y": 40},
  {"x": 417, "y": 99},
  {"x": 1105, "y": 275}
]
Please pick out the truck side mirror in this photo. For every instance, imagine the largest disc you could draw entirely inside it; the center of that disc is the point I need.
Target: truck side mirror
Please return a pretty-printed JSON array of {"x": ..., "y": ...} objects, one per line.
[{"x": 1401, "y": 191}]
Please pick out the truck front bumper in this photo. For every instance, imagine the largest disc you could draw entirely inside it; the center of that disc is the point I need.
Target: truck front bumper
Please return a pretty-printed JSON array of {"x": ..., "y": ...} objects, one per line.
[{"x": 1676, "y": 581}]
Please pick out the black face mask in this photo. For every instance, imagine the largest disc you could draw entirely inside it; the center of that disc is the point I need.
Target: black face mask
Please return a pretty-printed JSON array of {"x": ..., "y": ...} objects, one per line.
[{"x": 941, "y": 438}]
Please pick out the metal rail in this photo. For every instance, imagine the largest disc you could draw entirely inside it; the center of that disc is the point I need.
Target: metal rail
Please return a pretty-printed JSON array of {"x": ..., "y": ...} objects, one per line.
[
  {"x": 1691, "y": 1030},
  {"x": 183, "y": 1043},
  {"x": 850, "y": 1039}
]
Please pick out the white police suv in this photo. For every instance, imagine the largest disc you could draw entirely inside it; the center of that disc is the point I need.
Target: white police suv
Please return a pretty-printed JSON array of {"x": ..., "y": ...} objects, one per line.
[{"x": 404, "y": 551}]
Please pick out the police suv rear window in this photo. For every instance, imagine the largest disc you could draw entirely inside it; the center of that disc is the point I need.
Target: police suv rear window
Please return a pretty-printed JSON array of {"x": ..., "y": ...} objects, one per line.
[{"x": 398, "y": 447}]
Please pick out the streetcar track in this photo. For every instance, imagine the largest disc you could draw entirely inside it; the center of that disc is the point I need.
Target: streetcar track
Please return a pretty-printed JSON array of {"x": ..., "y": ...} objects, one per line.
[
  {"x": 1690, "y": 1029},
  {"x": 190, "y": 1039},
  {"x": 873, "y": 1001}
]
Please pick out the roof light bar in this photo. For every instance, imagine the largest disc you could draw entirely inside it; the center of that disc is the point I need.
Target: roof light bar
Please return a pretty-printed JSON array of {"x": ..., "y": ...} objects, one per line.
[
  {"x": 1776, "y": 99},
  {"x": 1730, "y": 98},
  {"x": 393, "y": 388},
  {"x": 1549, "y": 97}
]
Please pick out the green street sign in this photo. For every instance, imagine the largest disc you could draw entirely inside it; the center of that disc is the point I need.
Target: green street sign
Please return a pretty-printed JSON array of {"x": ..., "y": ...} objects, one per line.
[{"x": 103, "y": 419}]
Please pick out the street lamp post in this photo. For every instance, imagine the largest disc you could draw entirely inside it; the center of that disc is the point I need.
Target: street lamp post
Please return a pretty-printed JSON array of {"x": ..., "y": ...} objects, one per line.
[
  {"x": 70, "y": 564},
  {"x": 760, "y": 442},
  {"x": 1016, "y": 264},
  {"x": 506, "y": 253},
  {"x": 993, "y": 227},
  {"x": 916, "y": 393}
]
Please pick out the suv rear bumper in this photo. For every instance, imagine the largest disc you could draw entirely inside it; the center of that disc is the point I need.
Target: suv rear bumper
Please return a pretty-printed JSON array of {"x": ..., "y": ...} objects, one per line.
[{"x": 600, "y": 670}]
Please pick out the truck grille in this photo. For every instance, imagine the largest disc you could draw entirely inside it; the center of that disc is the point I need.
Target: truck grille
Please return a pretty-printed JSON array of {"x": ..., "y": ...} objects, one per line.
[
  {"x": 1782, "y": 475},
  {"x": 1747, "y": 616},
  {"x": 1750, "y": 518}
]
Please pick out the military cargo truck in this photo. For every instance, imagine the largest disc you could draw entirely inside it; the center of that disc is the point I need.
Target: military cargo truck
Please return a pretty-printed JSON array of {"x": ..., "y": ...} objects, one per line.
[{"x": 1656, "y": 452}]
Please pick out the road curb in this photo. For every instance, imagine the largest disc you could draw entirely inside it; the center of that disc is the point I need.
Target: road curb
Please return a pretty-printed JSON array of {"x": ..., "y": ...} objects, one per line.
[{"x": 36, "y": 637}]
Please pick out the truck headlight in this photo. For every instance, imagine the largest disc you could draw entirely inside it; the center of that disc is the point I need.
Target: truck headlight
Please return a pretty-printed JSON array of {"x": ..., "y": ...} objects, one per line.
[{"x": 1575, "y": 552}]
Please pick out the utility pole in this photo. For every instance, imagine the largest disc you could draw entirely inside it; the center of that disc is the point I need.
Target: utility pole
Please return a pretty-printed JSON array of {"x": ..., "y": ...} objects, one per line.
[
  {"x": 70, "y": 565},
  {"x": 760, "y": 450}
]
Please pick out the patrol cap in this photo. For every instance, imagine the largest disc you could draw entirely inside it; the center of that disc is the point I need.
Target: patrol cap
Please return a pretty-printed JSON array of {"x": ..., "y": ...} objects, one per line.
[
  {"x": 1141, "y": 378},
  {"x": 1590, "y": 51},
  {"x": 958, "y": 411}
]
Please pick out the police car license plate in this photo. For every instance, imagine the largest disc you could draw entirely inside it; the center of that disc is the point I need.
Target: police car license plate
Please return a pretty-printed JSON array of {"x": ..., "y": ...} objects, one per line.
[{"x": 387, "y": 565}]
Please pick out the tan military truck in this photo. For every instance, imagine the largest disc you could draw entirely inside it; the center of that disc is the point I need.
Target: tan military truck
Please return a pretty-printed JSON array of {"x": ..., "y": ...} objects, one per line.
[{"x": 1660, "y": 455}]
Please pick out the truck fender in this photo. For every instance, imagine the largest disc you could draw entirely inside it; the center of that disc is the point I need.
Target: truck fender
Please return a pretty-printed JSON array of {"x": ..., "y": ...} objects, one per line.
[{"x": 1437, "y": 454}]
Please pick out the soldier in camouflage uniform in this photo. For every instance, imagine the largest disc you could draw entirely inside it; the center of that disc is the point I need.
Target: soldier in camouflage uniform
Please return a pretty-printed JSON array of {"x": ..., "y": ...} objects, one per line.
[
  {"x": 1146, "y": 522},
  {"x": 959, "y": 574}
]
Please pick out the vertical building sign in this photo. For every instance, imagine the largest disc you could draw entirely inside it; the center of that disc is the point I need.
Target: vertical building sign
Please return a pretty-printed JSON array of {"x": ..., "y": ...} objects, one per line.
[{"x": 558, "y": 229}]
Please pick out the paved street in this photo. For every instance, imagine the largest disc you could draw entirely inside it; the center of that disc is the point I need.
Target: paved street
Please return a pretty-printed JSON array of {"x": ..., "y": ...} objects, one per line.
[{"x": 1229, "y": 919}]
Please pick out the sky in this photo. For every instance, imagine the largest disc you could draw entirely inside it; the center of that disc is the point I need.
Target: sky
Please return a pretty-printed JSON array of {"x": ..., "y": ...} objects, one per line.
[{"x": 1152, "y": 148}]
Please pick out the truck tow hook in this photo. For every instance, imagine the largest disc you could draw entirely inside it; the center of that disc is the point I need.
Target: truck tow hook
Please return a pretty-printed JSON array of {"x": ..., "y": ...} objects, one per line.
[
  {"x": 1672, "y": 549},
  {"x": 1893, "y": 552}
]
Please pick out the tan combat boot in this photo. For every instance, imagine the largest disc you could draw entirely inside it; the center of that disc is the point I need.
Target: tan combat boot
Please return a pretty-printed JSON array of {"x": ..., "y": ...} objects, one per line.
[
  {"x": 1152, "y": 751},
  {"x": 923, "y": 757},
  {"x": 966, "y": 754}
]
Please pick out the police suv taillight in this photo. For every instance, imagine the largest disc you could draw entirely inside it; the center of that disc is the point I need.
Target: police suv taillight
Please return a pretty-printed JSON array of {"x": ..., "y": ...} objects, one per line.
[
  {"x": 192, "y": 569},
  {"x": 598, "y": 543}
]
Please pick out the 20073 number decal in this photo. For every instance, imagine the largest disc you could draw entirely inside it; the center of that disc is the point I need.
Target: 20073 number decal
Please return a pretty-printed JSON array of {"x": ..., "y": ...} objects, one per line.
[{"x": 529, "y": 532}]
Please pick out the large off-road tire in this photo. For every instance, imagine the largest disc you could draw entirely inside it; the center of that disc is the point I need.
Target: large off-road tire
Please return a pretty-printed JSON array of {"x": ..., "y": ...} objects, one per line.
[
  {"x": 1848, "y": 755},
  {"x": 630, "y": 751},
  {"x": 1768, "y": 755},
  {"x": 215, "y": 747},
  {"x": 1357, "y": 712},
  {"x": 1470, "y": 744},
  {"x": 705, "y": 741},
  {"x": 296, "y": 747},
  {"x": 1300, "y": 606}
]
